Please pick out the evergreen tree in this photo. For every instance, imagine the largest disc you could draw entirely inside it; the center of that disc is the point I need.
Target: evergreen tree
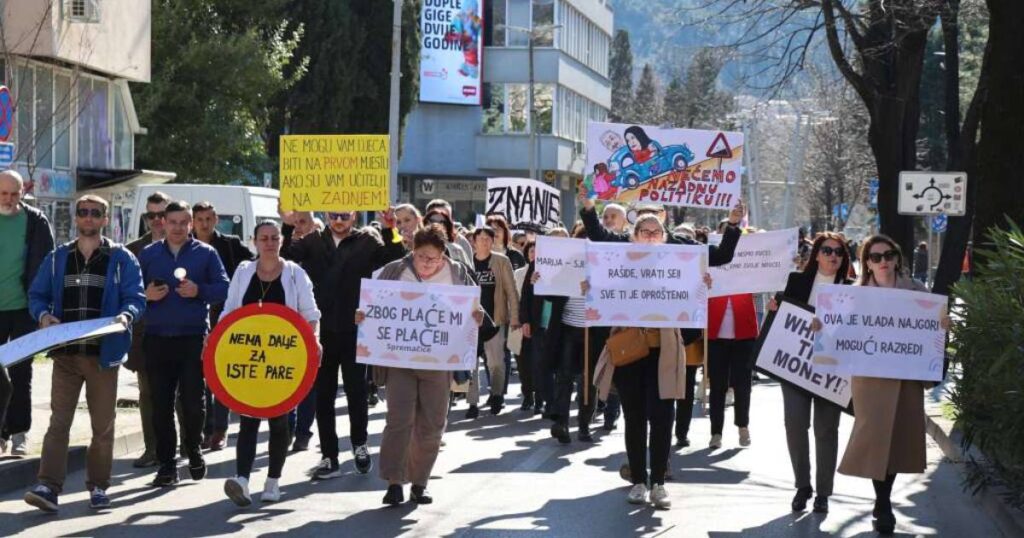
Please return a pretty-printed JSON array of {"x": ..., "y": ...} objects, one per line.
[
  {"x": 646, "y": 106},
  {"x": 620, "y": 67},
  {"x": 706, "y": 105},
  {"x": 674, "y": 104}
]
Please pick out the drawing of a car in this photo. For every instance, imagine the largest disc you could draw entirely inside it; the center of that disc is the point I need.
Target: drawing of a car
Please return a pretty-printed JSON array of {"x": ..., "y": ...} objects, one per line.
[{"x": 631, "y": 174}]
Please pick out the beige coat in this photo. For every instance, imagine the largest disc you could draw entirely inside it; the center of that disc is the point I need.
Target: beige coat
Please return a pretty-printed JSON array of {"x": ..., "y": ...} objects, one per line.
[
  {"x": 671, "y": 368},
  {"x": 888, "y": 428},
  {"x": 506, "y": 298}
]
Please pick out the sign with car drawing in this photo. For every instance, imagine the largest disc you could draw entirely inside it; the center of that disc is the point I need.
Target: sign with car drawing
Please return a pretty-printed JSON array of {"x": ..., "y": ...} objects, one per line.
[{"x": 643, "y": 163}]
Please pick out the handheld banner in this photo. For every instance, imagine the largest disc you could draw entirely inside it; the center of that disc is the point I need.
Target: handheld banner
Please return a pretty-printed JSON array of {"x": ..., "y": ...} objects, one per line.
[
  {"x": 784, "y": 351},
  {"x": 261, "y": 360},
  {"x": 881, "y": 332},
  {"x": 643, "y": 163},
  {"x": 637, "y": 285},
  {"x": 762, "y": 263},
  {"x": 524, "y": 203},
  {"x": 561, "y": 264},
  {"x": 334, "y": 172},
  {"x": 54, "y": 336},
  {"x": 418, "y": 326}
]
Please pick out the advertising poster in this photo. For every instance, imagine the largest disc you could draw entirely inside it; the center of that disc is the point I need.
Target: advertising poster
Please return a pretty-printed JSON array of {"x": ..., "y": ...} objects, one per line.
[
  {"x": 452, "y": 51},
  {"x": 684, "y": 167}
]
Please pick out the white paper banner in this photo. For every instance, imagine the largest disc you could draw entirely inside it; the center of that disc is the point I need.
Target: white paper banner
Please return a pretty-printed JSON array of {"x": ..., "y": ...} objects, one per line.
[
  {"x": 637, "y": 285},
  {"x": 784, "y": 352},
  {"x": 880, "y": 332},
  {"x": 561, "y": 265},
  {"x": 419, "y": 326},
  {"x": 524, "y": 202},
  {"x": 762, "y": 263},
  {"x": 42, "y": 340}
]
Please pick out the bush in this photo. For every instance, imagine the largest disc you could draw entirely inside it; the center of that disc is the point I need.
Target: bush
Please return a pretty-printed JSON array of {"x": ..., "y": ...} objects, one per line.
[{"x": 989, "y": 344}]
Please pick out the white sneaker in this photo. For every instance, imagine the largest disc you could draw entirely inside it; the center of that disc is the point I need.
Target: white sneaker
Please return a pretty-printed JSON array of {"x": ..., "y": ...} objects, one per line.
[
  {"x": 237, "y": 489},
  {"x": 3, "y": 445},
  {"x": 716, "y": 441},
  {"x": 744, "y": 436},
  {"x": 271, "y": 492},
  {"x": 637, "y": 495},
  {"x": 659, "y": 497},
  {"x": 19, "y": 444}
]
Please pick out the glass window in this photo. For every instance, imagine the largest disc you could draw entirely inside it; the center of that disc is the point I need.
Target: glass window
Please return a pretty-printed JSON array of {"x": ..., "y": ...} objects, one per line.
[
  {"x": 543, "y": 97},
  {"x": 123, "y": 138},
  {"x": 497, "y": 23},
  {"x": 44, "y": 118},
  {"x": 494, "y": 108},
  {"x": 94, "y": 142},
  {"x": 23, "y": 100},
  {"x": 62, "y": 121},
  {"x": 518, "y": 15},
  {"x": 517, "y": 110},
  {"x": 544, "y": 17}
]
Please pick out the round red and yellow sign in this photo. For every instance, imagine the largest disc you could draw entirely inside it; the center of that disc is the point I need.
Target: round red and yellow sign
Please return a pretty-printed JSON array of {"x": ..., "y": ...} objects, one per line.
[{"x": 261, "y": 360}]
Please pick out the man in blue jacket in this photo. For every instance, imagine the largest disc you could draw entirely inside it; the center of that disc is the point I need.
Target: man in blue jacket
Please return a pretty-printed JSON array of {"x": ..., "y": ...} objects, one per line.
[
  {"x": 183, "y": 277},
  {"x": 88, "y": 278}
]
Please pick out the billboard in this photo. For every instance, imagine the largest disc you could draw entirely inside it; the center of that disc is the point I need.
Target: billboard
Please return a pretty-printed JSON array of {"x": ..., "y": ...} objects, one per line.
[{"x": 452, "y": 51}]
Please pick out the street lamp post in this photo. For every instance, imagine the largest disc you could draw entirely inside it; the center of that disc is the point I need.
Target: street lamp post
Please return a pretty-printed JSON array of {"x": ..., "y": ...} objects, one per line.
[{"x": 396, "y": 85}]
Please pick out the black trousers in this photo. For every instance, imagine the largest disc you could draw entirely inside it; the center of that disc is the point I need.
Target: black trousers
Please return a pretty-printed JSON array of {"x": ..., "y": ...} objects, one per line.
[
  {"x": 16, "y": 381},
  {"x": 730, "y": 365},
  {"x": 543, "y": 371},
  {"x": 569, "y": 365},
  {"x": 637, "y": 384},
  {"x": 524, "y": 364},
  {"x": 684, "y": 408},
  {"x": 175, "y": 368},
  {"x": 340, "y": 352},
  {"x": 249, "y": 428}
]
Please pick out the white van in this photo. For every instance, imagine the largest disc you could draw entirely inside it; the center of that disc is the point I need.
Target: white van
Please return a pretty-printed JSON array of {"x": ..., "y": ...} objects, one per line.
[{"x": 239, "y": 208}]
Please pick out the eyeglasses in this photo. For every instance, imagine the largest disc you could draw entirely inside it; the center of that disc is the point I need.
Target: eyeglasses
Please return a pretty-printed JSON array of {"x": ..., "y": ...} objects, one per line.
[
  {"x": 651, "y": 233},
  {"x": 427, "y": 259},
  {"x": 344, "y": 217},
  {"x": 83, "y": 212},
  {"x": 889, "y": 256},
  {"x": 829, "y": 251},
  {"x": 150, "y": 215}
]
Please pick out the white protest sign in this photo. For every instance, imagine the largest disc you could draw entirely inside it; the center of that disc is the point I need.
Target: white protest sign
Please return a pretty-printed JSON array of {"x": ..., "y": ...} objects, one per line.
[
  {"x": 762, "y": 263},
  {"x": 416, "y": 325},
  {"x": 880, "y": 332},
  {"x": 637, "y": 285},
  {"x": 784, "y": 352},
  {"x": 561, "y": 266},
  {"x": 524, "y": 202},
  {"x": 42, "y": 340}
]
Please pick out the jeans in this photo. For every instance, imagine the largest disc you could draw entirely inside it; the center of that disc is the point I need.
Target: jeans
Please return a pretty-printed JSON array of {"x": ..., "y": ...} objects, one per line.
[
  {"x": 305, "y": 414},
  {"x": 340, "y": 352},
  {"x": 684, "y": 408},
  {"x": 570, "y": 360},
  {"x": 175, "y": 367},
  {"x": 729, "y": 363},
  {"x": 637, "y": 384},
  {"x": 249, "y": 428},
  {"x": 16, "y": 381}
]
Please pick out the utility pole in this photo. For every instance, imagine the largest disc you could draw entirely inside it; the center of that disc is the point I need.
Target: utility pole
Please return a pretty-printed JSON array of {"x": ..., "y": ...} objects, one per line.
[
  {"x": 533, "y": 111},
  {"x": 796, "y": 164},
  {"x": 396, "y": 87}
]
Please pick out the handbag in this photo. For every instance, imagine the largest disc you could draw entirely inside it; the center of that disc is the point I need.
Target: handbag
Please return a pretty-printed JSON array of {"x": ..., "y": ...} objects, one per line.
[{"x": 627, "y": 346}]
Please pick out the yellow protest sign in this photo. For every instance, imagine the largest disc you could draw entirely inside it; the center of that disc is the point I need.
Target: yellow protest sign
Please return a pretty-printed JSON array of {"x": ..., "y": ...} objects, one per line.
[
  {"x": 335, "y": 172},
  {"x": 261, "y": 360}
]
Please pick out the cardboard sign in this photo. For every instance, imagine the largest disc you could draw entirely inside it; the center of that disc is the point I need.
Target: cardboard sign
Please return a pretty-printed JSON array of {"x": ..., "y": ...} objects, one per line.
[
  {"x": 524, "y": 203},
  {"x": 561, "y": 265},
  {"x": 418, "y": 326},
  {"x": 637, "y": 285},
  {"x": 261, "y": 360},
  {"x": 880, "y": 332},
  {"x": 643, "y": 163},
  {"x": 784, "y": 350},
  {"x": 334, "y": 172},
  {"x": 762, "y": 263},
  {"x": 35, "y": 342}
]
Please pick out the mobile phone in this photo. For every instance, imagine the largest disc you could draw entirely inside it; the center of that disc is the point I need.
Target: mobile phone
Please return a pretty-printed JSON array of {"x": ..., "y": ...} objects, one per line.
[{"x": 159, "y": 282}]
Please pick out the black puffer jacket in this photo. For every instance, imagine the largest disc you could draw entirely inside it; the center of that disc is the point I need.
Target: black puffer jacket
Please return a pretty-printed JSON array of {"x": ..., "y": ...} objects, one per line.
[{"x": 38, "y": 242}]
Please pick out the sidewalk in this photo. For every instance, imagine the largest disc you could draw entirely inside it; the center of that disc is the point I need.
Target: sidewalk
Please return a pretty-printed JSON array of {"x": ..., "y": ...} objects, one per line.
[{"x": 20, "y": 472}]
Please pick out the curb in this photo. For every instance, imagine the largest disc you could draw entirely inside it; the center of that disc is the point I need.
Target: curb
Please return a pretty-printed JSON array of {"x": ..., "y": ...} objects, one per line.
[
  {"x": 21, "y": 475},
  {"x": 1009, "y": 520}
]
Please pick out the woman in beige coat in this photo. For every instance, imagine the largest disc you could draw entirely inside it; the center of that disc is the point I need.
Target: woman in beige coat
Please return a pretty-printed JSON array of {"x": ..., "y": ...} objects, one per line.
[{"x": 888, "y": 430}]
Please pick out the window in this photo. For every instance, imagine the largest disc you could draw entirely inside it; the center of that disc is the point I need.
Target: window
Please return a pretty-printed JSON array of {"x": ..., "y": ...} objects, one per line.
[
  {"x": 24, "y": 96},
  {"x": 62, "y": 121},
  {"x": 544, "y": 18},
  {"x": 94, "y": 142},
  {"x": 82, "y": 10},
  {"x": 497, "y": 23},
  {"x": 543, "y": 103},
  {"x": 518, "y": 16},
  {"x": 494, "y": 108},
  {"x": 44, "y": 118},
  {"x": 518, "y": 112},
  {"x": 123, "y": 138},
  {"x": 506, "y": 108}
]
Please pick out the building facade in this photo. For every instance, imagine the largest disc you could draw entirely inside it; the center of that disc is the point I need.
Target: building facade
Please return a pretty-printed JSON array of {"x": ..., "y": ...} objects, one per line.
[
  {"x": 67, "y": 64},
  {"x": 450, "y": 150}
]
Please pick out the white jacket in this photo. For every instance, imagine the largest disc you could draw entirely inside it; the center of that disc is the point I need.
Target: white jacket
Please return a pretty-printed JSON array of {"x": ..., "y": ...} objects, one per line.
[{"x": 298, "y": 289}]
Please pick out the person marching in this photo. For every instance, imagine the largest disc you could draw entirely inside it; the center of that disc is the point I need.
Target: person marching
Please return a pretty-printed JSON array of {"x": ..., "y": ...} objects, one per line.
[
  {"x": 268, "y": 279},
  {"x": 417, "y": 399},
  {"x": 827, "y": 264},
  {"x": 888, "y": 429}
]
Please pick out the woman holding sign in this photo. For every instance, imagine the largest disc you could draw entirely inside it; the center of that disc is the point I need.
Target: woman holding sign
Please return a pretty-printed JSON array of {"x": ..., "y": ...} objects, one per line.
[
  {"x": 888, "y": 430},
  {"x": 270, "y": 279},
  {"x": 417, "y": 399},
  {"x": 827, "y": 263}
]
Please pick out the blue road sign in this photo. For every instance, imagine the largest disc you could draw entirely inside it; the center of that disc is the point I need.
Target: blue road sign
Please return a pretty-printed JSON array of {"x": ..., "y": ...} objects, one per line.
[
  {"x": 6, "y": 154},
  {"x": 6, "y": 114},
  {"x": 873, "y": 193},
  {"x": 939, "y": 223}
]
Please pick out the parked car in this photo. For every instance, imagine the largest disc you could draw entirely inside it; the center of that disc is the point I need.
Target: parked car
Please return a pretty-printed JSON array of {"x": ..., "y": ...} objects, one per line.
[{"x": 631, "y": 174}]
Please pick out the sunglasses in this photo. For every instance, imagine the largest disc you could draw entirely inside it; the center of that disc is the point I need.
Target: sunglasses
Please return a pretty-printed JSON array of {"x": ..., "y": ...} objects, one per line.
[
  {"x": 344, "y": 217},
  {"x": 829, "y": 251},
  {"x": 150, "y": 215},
  {"x": 889, "y": 256},
  {"x": 84, "y": 212}
]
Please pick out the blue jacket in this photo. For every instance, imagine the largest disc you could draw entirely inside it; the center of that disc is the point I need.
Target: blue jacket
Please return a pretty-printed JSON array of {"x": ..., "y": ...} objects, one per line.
[
  {"x": 123, "y": 294},
  {"x": 175, "y": 315}
]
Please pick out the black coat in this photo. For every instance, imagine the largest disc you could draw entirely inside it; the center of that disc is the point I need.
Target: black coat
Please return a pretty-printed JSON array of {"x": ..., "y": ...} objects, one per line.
[
  {"x": 38, "y": 242},
  {"x": 799, "y": 284},
  {"x": 232, "y": 251}
]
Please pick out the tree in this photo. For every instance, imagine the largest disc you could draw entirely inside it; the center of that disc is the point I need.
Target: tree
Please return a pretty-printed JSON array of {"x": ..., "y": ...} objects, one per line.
[
  {"x": 706, "y": 105},
  {"x": 216, "y": 66},
  {"x": 674, "y": 105},
  {"x": 620, "y": 67},
  {"x": 646, "y": 105}
]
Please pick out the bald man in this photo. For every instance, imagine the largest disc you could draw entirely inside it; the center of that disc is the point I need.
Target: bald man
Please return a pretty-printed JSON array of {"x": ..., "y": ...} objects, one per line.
[{"x": 25, "y": 239}]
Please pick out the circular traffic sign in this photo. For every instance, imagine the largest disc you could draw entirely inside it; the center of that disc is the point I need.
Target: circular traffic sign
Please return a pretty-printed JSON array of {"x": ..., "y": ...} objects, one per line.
[
  {"x": 6, "y": 114},
  {"x": 261, "y": 360}
]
